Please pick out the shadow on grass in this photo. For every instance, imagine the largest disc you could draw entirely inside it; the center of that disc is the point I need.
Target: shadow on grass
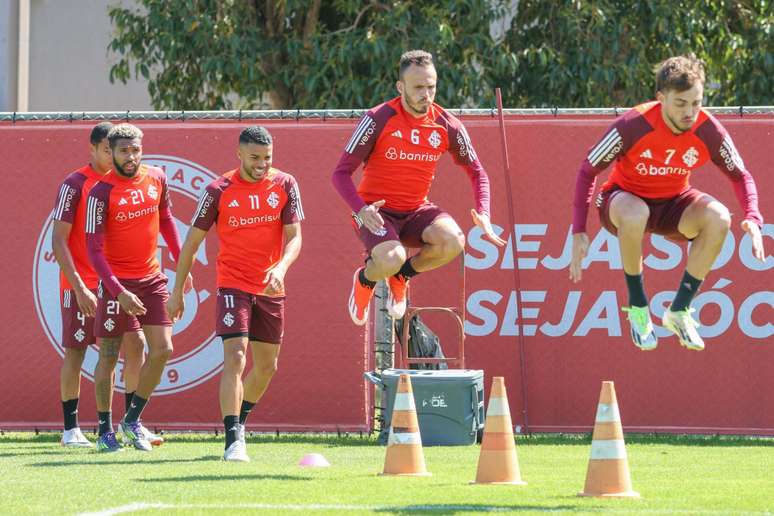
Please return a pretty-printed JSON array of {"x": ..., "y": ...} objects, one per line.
[
  {"x": 661, "y": 439},
  {"x": 105, "y": 460},
  {"x": 482, "y": 508},
  {"x": 206, "y": 478},
  {"x": 38, "y": 452},
  {"x": 29, "y": 440}
]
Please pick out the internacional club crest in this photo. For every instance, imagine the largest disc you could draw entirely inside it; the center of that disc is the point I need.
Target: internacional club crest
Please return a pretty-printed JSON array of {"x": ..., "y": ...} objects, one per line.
[{"x": 198, "y": 356}]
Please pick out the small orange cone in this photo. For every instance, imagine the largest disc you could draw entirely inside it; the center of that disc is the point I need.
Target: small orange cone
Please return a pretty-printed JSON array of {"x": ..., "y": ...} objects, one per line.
[
  {"x": 608, "y": 473},
  {"x": 497, "y": 461},
  {"x": 404, "y": 444}
]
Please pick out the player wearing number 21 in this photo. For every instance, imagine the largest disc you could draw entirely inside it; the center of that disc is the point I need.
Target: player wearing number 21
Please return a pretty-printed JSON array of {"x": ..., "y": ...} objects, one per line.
[{"x": 126, "y": 211}]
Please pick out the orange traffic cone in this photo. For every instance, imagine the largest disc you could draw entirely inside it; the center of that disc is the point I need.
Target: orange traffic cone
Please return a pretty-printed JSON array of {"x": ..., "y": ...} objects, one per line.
[
  {"x": 608, "y": 473},
  {"x": 404, "y": 444},
  {"x": 497, "y": 461}
]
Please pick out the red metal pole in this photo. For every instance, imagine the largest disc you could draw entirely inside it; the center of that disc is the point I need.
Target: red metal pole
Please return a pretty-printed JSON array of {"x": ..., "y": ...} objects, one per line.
[{"x": 516, "y": 277}]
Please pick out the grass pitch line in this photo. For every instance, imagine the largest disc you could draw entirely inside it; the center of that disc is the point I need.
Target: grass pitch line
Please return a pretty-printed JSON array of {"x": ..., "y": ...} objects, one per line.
[{"x": 442, "y": 508}]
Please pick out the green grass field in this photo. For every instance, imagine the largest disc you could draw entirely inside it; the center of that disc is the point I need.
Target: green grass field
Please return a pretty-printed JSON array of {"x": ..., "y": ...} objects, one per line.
[{"x": 674, "y": 474}]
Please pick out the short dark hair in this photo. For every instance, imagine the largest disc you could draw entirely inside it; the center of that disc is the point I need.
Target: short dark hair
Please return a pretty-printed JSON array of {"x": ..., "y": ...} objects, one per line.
[
  {"x": 123, "y": 131},
  {"x": 679, "y": 73},
  {"x": 99, "y": 132},
  {"x": 414, "y": 57},
  {"x": 255, "y": 134}
]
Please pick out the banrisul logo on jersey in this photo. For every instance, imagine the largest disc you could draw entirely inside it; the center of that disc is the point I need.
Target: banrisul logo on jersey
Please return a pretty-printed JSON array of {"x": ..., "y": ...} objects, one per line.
[{"x": 198, "y": 356}]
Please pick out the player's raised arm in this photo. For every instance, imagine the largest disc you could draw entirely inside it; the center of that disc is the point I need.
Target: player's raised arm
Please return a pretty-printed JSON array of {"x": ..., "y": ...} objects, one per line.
[
  {"x": 725, "y": 156},
  {"x": 464, "y": 155},
  {"x": 600, "y": 156},
  {"x": 357, "y": 150}
]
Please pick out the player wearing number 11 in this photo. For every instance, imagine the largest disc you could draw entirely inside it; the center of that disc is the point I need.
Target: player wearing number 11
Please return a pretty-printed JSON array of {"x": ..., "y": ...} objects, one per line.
[{"x": 257, "y": 210}]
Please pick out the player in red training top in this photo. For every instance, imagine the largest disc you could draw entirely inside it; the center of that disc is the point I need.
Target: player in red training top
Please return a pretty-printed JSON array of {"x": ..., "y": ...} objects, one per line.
[
  {"x": 126, "y": 211},
  {"x": 655, "y": 147},
  {"x": 401, "y": 142},
  {"x": 258, "y": 212},
  {"x": 78, "y": 288}
]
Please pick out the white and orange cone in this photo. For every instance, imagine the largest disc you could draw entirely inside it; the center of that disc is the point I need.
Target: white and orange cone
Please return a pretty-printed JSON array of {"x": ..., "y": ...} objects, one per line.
[
  {"x": 404, "y": 444},
  {"x": 497, "y": 461},
  {"x": 608, "y": 472}
]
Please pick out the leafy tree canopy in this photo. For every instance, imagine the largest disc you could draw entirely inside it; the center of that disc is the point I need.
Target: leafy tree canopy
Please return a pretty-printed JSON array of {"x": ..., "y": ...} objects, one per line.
[{"x": 220, "y": 54}]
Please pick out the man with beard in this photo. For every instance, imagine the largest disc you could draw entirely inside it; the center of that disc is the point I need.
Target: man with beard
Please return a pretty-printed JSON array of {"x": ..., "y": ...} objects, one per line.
[
  {"x": 400, "y": 143},
  {"x": 126, "y": 211},
  {"x": 78, "y": 288}
]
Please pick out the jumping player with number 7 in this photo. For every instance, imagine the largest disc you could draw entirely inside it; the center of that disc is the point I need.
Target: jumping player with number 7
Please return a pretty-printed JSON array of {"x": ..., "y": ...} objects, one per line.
[
  {"x": 126, "y": 211},
  {"x": 258, "y": 213},
  {"x": 656, "y": 146}
]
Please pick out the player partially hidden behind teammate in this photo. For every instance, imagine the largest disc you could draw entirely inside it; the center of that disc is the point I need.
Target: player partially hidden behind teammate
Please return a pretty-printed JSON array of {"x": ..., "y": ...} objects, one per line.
[
  {"x": 258, "y": 213},
  {"x": 78, "y": 288},
  {"x": 126, "y": 211},
  {"x": 401, "y": 142},
  {"x": 655, "y": 147}
]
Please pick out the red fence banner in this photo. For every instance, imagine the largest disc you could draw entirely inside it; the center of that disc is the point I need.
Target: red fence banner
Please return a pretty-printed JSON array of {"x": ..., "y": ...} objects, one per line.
[{"x": 574, "y": 335}]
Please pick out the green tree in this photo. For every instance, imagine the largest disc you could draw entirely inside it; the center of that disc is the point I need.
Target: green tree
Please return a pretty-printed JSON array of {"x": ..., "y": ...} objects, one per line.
[
  {"x": 210, "y": 54},
  {"x": 602, "y": 53},
  {"x": 205, "y": 54}
]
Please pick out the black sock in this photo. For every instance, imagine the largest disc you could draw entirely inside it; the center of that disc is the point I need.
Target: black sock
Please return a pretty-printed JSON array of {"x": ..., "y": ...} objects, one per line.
[
  {"x": 689, "y": 286},
  {"x": 407, "y": 271},
  {"x": 246, "y": 408},
  {"x": 365, "y": 281},
  {"x": 70, "y": 410},
  {"x": 105, "y": 422},
  {"x": 128, "y": 399},
  {"x": 135, "y": 409},
  {"x": 231, "y": 424},
  {"x": 636, "y": 290}
]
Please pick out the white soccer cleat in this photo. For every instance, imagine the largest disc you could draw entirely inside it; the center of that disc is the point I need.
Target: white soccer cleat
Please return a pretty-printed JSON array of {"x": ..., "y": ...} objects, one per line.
[
  {"x": 684, "y": 326},
  {"x": 154, "y": 439},
  {"x": 242, "y": 433},
  {"x": 237, "y": 452},
  {"x": 74, "y": 438}
]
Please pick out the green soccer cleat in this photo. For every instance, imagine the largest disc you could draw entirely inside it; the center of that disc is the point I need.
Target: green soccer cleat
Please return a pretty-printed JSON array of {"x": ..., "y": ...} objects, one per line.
[
  {"x": 107, "y": 442},
  {"x": 642, "y": 331}
]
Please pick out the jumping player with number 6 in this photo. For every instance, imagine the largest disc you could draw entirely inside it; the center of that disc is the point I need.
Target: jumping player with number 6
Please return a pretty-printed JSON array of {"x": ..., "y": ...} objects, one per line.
[
  {"x": 400, "y": 142},
  {"x": 126, "y": 211},
  {"x": 257, "y": 210},
  {"x": 656, "y": 146}
]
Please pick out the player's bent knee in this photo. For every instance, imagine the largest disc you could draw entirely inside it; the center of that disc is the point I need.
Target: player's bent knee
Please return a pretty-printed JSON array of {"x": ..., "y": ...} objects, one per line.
[
  {"x": 389, "y": 258},
  {"x": 268, "y": 370},
  {"x": 234, "y": 360},
  {"x": 629, "y": 212},
  {"x": 453, "y": 244},
  {"x": 719, "y": 217},
  {"x": 160, "y": 353}
]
